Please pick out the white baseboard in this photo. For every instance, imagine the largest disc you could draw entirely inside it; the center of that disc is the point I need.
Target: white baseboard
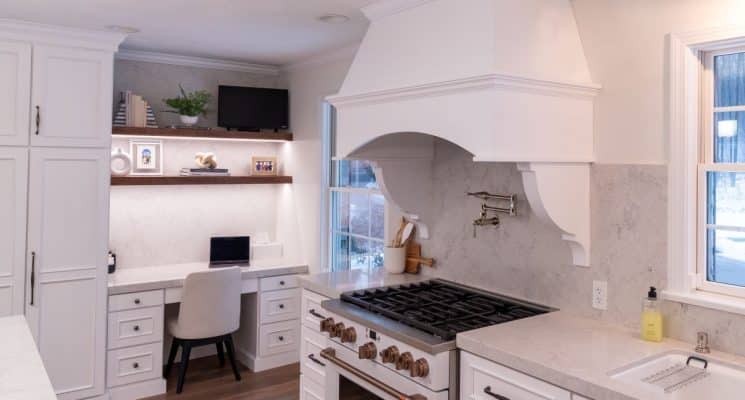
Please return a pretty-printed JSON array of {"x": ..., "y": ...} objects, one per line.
[
  {"x": 257, "y": 364},
  {"x": 139, "y": 390}
]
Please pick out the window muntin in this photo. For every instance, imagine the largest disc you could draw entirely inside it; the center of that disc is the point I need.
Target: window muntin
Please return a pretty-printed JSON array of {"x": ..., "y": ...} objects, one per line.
[{"x": 721, "y": 265}]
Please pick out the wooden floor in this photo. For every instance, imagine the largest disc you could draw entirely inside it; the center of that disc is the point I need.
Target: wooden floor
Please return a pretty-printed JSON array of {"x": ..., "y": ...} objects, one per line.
[{"x": 205, "y": 380}]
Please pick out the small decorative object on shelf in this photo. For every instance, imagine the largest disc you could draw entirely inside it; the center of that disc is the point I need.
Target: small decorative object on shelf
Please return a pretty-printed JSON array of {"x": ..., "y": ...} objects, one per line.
[
  {"x": 147, "y": 156},
  {"x": 121, "y": 163},
  {"x": 206, "y": 160},
  {"x": 134, "y": 111},
  {"x": 264, "y": 166},
  {"x": 189, "y": 105}
]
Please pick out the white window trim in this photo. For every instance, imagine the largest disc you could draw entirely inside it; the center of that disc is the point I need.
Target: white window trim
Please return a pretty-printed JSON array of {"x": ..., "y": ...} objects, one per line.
[{"x": 684, "y": 130}]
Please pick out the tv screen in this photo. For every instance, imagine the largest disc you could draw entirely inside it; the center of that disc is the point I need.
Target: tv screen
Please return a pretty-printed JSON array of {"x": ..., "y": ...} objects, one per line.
[{"x": 248, "y": 108}]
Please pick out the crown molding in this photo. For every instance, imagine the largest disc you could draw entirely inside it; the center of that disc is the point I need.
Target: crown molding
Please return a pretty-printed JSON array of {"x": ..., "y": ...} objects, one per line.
[
  {"x": 343, "y": 53},
  {"x": 197, "y": 62},
  {"x": 384, "y": 8},
  {"x": 60, "y": 35}
]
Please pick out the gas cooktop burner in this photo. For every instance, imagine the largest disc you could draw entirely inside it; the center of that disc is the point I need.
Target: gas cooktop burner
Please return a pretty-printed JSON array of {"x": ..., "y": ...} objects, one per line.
[{"x": 441, "y": 308}]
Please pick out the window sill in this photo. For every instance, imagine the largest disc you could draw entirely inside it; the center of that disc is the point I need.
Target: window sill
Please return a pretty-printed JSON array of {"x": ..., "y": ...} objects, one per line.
[{"x": 720, "y": 302}]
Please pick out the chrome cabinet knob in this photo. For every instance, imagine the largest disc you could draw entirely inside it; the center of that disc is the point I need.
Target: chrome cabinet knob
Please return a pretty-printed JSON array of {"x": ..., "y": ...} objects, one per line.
[
  {"x": 367, "y": 351},
  {"x": 389, "y": 354},
  {"x": 420, "y": 368}
]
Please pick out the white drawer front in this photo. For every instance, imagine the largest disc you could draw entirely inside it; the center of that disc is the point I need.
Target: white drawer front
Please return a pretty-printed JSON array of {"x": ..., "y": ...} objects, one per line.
[
  {"x": 280, "y": 337},
  {"x": 278, "y": 283},
  {"x": 133, "y": 327},
  {"x": 131, "y": 301},
  {"x": 310, "y": 390},
  {"x": 479, "y": 376},
  {"x": 280, "y": 305},
  {"x": 311, "y": 311},
  {"x": 312, "y": 366},
  {"x": 134, "y": 364}
]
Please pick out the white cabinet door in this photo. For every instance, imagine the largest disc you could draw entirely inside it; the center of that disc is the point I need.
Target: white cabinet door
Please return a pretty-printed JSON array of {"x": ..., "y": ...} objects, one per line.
[
  {"x": 15, "y": 92},
  {"x": 71, "y": 97},
  {"x": 67, "y": 242},
  {"x": 13, "y": 178}
]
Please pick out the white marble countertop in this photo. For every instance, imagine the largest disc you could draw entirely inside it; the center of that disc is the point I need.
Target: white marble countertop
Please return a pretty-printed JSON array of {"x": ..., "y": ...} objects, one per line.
[
  {"x": 22, "y": 374},
  {"x": 571, "y": 352},
  {"x": 172, "y": 276},
  {"x": 333, "y": 284}
]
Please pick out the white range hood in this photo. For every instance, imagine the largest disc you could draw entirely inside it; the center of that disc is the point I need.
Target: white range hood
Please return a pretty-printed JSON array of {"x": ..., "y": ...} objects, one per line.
[{"x": 506, "y": 80}]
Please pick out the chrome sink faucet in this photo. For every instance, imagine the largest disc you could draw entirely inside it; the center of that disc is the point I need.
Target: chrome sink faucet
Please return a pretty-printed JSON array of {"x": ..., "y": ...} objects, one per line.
[{"x": 702, "y": 343}]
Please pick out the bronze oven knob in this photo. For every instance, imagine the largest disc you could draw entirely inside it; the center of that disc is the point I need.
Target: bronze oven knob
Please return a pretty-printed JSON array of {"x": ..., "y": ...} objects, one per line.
[
  {"x": 326, "y": 324},
  {"x": 349, "y": 335},
  {"x": 389, "y": 354},
  {"x": 404, "y": 361},
  {"x": 336, "y": 330},
  {"x": 367, "y": 351},
  {"x": 420, "y": 368}
]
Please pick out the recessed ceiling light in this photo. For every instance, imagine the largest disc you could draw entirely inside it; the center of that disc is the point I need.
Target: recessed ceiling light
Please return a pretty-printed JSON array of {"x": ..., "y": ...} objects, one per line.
[
  {"x": 333, "y": 18},
  {"x": 121, "y": 29}
]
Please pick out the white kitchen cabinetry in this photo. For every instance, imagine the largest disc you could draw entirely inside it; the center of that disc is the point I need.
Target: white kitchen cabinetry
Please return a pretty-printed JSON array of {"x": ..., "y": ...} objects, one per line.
[
  {"x": 312, "y": 366},
  {"x": 71, "y": 97},
  {"x": 54, "y": 241},
  {"x": 484, "y": 380},
  {"x": 68, "y": 212},
  {"x": 578, "y": 397},
  {"x": 13, "y": 181},
  {"x": 15, "y": 92}
]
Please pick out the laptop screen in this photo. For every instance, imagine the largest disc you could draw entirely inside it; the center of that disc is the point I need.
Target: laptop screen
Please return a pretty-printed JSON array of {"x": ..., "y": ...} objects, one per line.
[{"x": 230, "y": 250}]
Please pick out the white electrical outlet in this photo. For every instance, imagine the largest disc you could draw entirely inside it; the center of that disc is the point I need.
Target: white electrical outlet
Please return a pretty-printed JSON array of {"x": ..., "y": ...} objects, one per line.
[{"x": 600, "y": 295}]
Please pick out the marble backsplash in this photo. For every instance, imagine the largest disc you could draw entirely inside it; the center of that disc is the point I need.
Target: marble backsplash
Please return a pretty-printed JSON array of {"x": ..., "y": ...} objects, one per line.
[{"x": 526, "y": 258}]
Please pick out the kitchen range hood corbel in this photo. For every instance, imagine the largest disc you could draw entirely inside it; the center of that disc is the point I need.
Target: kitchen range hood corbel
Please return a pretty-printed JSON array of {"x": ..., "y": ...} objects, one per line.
[{"x": 559, "y": 194}]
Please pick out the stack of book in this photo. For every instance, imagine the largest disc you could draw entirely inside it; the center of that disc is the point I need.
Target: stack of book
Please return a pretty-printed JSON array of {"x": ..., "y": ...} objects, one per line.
[{"x": 205, "y": 172}]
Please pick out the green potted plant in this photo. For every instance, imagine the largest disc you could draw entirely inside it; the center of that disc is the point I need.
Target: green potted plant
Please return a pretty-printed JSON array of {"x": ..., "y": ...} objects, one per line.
[{"x": 189, "y": 105}]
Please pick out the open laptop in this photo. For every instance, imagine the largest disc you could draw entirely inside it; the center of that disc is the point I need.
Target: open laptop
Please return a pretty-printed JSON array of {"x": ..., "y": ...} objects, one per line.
[{"x": 228, "y": 251}]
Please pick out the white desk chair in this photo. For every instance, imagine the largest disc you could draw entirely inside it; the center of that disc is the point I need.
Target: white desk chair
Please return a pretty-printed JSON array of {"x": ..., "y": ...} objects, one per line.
[{"x": 210, "y": 311}]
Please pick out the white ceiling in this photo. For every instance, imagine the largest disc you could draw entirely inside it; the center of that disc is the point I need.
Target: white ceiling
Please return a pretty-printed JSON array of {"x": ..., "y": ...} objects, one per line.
[{"x": 276, "y": 32}]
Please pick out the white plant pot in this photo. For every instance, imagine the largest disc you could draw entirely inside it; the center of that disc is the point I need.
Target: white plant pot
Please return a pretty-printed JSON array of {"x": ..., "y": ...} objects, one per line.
[
  {"x": 395, "y": 259},
  {"x": 189, "y": 121}
]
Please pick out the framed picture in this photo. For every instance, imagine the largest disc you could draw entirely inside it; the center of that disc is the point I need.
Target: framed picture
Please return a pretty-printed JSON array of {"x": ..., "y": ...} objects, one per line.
[
  {"x": 147, "y": 157},
  {"x": 263, "y": 165}
]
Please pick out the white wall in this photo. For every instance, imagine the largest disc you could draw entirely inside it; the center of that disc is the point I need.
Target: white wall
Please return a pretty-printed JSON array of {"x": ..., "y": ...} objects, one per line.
[
  {"x": 624, "y": 42},
  {"x": 309, "y": 83}
]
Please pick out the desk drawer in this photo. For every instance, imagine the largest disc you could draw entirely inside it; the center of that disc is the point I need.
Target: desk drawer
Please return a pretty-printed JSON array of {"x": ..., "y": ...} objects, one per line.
[
  {"x": 134, "y": 364},
  {"x": 278, "y": 283},
  {"x": 133, "y": 327},
  {"x": 280, "y": 305},
  {"x": 131, "y": 301},
  {"x": 311, "y": 364},
  {"x": 281, "y": 337},
  {"x": 311, "y": 311}
]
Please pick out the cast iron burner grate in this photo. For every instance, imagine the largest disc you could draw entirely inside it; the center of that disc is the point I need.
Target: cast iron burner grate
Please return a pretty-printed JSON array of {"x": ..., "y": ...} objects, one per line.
[{"x": 440, "y": 308}]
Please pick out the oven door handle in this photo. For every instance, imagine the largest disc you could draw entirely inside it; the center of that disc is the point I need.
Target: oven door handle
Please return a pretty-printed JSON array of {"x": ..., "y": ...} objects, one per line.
[{"x": 330, "y": 355}]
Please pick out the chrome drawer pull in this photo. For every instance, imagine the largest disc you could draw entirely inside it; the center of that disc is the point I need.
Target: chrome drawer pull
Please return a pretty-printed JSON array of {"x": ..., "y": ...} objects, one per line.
[
  {"x": 330, "y": 354},
  {"x": 315, "y": 360},
  {"x": 488, "y": 391},
  {"x": 313, "y": 312}
]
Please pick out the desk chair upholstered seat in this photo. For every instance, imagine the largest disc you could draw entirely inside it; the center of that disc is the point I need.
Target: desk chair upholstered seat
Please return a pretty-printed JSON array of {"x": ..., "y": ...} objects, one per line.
[{"x": 210, "y": 311}]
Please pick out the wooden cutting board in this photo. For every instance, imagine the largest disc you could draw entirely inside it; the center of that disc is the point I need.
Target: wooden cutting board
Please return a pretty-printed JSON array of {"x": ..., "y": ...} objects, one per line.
[{"x": 414, "y": 257}]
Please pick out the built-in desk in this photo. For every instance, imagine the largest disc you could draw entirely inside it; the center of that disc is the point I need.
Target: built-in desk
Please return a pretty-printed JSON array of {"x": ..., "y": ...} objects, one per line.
[{"x": 269, "y": 335}]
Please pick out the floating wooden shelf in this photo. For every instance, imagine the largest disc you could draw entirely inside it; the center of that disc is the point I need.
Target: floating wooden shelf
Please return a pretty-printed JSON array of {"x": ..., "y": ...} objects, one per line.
[
  {"x": 200, "y": 133},
  {"x": 197, "y": 180}
]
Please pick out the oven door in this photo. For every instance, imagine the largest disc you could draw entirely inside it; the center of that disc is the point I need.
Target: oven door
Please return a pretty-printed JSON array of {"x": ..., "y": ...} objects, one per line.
[{"x": 348, "y": 377}]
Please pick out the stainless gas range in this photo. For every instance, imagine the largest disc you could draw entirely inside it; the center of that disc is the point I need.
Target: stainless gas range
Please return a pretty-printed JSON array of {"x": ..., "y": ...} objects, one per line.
[{"x": 398, "y": 342}]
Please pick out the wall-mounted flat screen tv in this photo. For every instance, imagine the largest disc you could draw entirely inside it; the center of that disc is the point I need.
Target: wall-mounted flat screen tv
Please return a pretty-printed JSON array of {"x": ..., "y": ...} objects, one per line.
[{"x": 252, "y": 109}]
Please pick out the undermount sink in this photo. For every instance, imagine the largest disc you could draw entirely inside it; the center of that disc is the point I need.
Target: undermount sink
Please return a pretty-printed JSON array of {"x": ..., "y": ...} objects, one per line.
[{"x": 684, "y": 376}]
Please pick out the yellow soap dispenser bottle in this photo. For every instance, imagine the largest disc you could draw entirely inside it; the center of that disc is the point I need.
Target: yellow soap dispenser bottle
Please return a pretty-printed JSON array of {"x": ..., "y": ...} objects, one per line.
[{"x": 651, "y": 328}]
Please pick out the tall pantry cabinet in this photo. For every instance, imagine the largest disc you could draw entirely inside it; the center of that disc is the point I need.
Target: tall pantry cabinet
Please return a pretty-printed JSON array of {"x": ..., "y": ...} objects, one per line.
[{"x": 55, "y": 129}]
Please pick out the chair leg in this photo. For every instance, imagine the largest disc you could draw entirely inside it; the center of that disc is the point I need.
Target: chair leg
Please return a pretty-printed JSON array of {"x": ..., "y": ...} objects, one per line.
[
  {"x": 185, "y": 353},
  {"x": 231, "y": 356},
  {"x": 220, "y": 353},
  {"x": 171, "y": 356}
]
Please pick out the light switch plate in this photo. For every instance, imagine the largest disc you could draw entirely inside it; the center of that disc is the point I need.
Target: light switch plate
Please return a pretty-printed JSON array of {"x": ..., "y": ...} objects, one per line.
[{"x": 600, "y": 295}]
